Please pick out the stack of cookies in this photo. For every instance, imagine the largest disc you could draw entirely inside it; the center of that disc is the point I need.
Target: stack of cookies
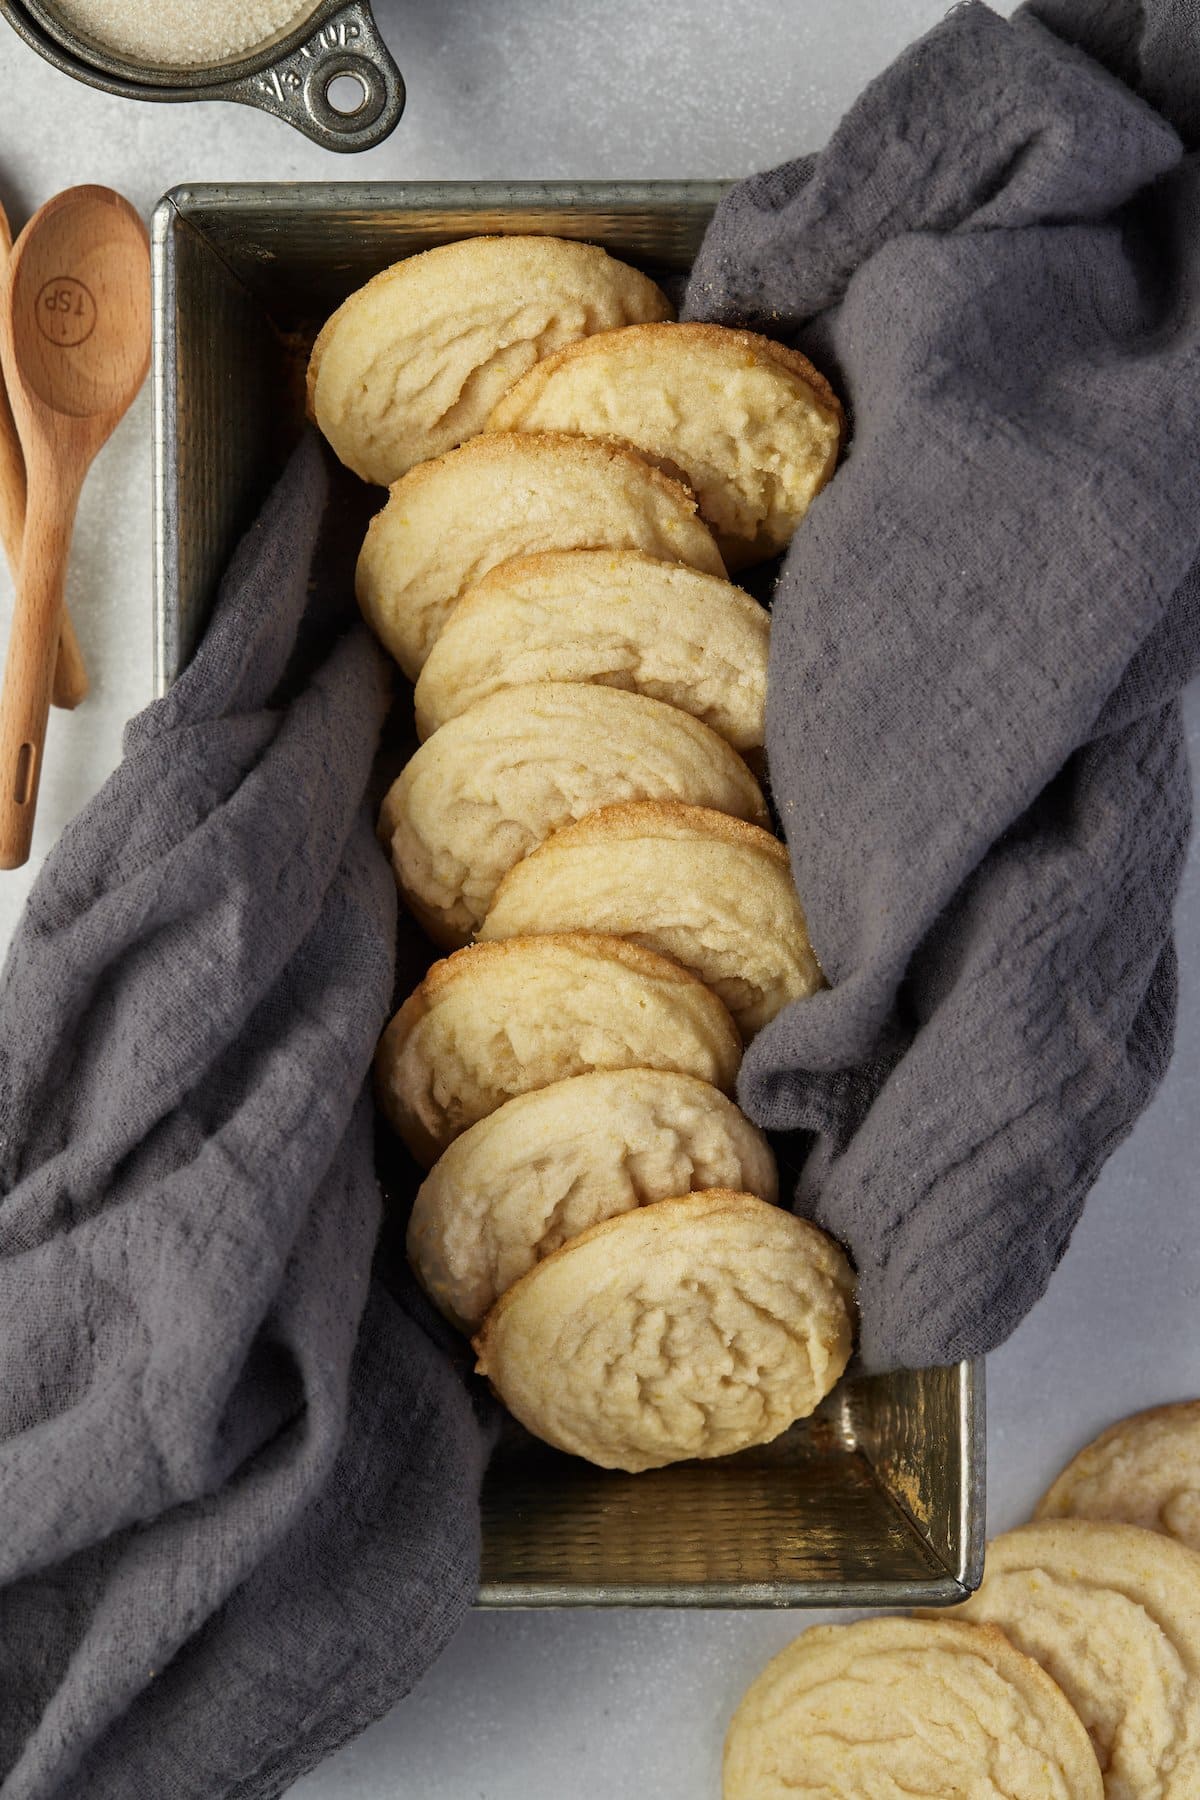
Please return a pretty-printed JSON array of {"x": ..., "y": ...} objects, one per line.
[
  {"x": 1074, "y": 1672},
  {"x": 572, "y": 475}
]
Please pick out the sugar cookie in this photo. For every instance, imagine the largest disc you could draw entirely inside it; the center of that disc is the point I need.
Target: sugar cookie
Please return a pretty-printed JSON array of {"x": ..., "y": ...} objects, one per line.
[
  {"x": 693, "y": 1327},
  {"x": 1144, "y": 1470},
  {"x": 500, "y": 1019},
  {"x": 411, "y": 364},
  {"x": 549, "y": 1164},
  {"x": 713, "y": 892},
  {"x": 447, "y": 522},
  {"x": 930, "y": 1708},
  {"x": 1112, "y": 1613},
  {"x": 750, "y": 425},
  {"x": 612, "y": 617},
  {"x": 492, "y": 784}
]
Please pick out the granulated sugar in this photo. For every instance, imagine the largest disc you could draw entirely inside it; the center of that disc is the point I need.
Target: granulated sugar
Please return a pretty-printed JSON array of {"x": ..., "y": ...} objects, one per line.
[{"x": 178, "y": 34}]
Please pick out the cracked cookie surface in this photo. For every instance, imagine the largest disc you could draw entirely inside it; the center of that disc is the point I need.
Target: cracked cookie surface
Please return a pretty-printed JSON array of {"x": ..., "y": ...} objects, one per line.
[
  {"x": 928, "y": 1709},
  {"x": 413, "y": 362},
  {"x": 611, "y": 617},
  {"x": 492, "y": 784},
  {"x": 692, "y": 1327},
  {"x": 1144, "y": 1470},
  {"x": 547, "y": 1165},
  {"x": 501, "y": 1019},
  {"x": 751, "y": 426},
  {"x": 713, "y": 892},
  {"x": 447, "y": 522},
  {"x": 1112, "y": 1613}
]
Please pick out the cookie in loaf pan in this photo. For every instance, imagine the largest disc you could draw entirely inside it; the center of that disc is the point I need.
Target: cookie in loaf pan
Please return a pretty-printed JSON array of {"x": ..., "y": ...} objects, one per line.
[{"x": 501, "y": 1019}]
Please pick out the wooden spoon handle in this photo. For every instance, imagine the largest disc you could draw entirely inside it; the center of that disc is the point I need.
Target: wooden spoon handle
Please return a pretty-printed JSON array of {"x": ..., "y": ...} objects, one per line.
[
  {"x": 29, "y": 668},
  {"x": 70, "y": 671},
  {"x": 12, "y": 486},
  {"x": 70, "y": 674}
]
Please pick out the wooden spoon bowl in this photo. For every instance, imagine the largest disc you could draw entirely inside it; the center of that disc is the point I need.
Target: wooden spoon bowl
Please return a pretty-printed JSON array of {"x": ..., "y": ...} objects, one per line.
[
  {"x": 70, "y": 675},
  {"x": 78, "y": 320}
]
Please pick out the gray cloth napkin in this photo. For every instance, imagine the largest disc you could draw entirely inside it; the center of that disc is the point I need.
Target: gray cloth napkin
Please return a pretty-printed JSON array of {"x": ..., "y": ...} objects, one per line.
[
  {"x": 238, "y": 1479},
  {"x": 979, "y": 636}
]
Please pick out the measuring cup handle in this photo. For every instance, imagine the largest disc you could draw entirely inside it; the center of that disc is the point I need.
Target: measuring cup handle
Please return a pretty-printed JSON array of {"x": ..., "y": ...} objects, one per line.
[{"x": 296, "y": 88}]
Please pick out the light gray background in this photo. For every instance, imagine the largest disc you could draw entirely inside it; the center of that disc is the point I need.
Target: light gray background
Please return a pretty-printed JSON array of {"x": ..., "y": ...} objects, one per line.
[{"x": 602, "y": 1706}]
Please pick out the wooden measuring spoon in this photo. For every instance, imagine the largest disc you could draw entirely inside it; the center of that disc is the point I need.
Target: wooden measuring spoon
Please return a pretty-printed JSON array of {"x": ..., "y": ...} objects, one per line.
[
  {"x": 75, "y": 345},
  {"x": 70, "y": 675}
]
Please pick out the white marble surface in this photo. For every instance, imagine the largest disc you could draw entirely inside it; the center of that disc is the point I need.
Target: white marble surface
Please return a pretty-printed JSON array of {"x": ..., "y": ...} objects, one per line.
[{"x": 602, "y": 1706}]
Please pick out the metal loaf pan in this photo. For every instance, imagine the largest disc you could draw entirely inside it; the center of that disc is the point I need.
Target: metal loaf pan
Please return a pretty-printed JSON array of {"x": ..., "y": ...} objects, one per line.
[{"x": 876, "y": 1500}]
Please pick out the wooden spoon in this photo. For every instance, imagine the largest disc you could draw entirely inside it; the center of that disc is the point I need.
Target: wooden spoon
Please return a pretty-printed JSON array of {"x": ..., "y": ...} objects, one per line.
[
  {"x": 70, "y": 675},
  {"x": 75, "y": 346}
]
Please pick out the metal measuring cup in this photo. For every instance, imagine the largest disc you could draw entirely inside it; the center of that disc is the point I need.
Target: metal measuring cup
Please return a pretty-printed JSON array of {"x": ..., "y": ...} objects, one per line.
[{"x": 300, "y": 75}]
